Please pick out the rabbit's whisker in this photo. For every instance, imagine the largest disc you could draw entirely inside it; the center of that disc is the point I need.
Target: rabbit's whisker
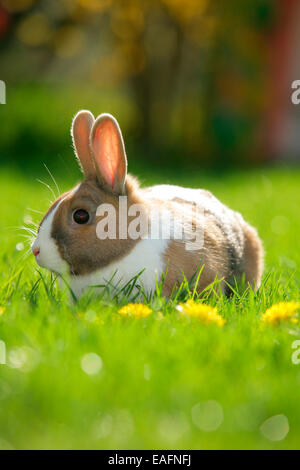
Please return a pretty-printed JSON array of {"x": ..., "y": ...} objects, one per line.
[
  {"x": 49, "y": 187},
  {"x": 53, "y": 179}
]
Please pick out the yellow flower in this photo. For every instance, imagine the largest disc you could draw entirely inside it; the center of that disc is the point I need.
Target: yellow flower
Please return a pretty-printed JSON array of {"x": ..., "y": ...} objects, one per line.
[
  {"x": 135, "y": 310},
  {"x": 2, "y": 310},
  {"x": 283, "y": 311},
  {"x": 205, "y": 313}
]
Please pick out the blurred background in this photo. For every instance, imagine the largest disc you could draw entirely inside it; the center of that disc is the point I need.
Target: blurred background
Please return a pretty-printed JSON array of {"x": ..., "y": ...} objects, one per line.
[{"x": 193, "y": 83}]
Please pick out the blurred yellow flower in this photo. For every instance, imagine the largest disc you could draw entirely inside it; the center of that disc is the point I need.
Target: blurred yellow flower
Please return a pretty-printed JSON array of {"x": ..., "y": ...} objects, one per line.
[
  {"x": 205, "y": 313},
  {"x": 2, "y": 310},
  {"x": 135, "y": 310},
  {"x": 34, "y": 30},
  {"x": 283, "y": 311}
]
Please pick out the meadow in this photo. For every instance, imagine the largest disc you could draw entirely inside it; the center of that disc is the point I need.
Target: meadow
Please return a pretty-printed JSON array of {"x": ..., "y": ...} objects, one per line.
[{"x": 78, "y": 375}]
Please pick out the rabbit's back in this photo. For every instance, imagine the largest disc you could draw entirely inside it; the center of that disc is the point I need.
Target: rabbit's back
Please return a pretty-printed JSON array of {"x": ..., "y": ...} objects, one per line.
[{"x": 230, "y": 249}]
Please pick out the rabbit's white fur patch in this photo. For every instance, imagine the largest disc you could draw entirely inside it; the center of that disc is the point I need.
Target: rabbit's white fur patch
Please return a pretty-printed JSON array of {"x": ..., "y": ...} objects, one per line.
[
  {"x": 203, "y": 198},
  {"x": 167, "y": 192},
  {"x": 49, "y": 256},
  {"x": 147, "y": 253}
]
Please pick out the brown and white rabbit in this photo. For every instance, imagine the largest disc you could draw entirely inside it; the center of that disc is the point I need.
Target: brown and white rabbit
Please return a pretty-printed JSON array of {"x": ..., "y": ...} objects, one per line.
[{"x": 68, "y": 239}]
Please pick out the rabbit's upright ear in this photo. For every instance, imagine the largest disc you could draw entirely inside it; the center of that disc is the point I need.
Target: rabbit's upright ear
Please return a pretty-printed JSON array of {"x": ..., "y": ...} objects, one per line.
[
  {"x": 109, "y": 153},
  {"x": 81, "y": 128}
]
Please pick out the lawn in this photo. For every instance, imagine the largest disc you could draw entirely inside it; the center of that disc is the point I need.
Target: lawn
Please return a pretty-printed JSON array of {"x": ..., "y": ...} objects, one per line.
[{"x": 79, "y": 376}]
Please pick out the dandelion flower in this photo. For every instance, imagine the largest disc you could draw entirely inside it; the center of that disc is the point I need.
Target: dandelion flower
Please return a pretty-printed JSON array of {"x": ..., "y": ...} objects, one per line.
[
  {"x": 2, "y": 310},
  {"x": 283, "y": 311},
  {"x": 135, "y": 310},
  {"x": 204, "y": 313}
]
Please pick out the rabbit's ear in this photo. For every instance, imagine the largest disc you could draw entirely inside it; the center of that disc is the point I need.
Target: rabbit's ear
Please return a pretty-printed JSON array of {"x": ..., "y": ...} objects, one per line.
[
  {"x": 109, "y": 153},
  {"x": 81, "y": 128}
]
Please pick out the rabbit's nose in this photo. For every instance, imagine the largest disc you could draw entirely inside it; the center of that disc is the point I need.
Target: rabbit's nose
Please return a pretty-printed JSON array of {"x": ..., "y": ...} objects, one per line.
[{"x": 36, "y": 251}]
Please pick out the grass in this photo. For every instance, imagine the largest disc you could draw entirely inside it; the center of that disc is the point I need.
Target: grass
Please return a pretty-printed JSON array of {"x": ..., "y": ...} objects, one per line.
[{"x": 152, "y": 372}]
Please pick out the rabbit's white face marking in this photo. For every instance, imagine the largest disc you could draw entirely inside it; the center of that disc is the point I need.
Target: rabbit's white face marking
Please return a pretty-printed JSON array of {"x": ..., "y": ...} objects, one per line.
[
  {"x": 147, "y": 254},
  {"x": 48, "y": 256}
]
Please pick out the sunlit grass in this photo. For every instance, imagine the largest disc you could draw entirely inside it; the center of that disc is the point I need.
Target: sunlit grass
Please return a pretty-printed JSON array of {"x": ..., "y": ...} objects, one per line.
[{"x": 80, "y": 375}]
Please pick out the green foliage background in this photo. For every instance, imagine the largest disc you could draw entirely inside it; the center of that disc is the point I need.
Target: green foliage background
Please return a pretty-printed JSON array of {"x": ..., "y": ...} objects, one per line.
[{"x": 191, "y": 85}]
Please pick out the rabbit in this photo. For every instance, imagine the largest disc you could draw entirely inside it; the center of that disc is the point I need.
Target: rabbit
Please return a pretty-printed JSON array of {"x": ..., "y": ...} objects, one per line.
[{"x": 72, "y": 239}]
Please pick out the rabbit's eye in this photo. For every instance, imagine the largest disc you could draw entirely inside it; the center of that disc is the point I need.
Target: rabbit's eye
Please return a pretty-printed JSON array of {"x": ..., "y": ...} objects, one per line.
[{"x": 81, "y": 216}]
